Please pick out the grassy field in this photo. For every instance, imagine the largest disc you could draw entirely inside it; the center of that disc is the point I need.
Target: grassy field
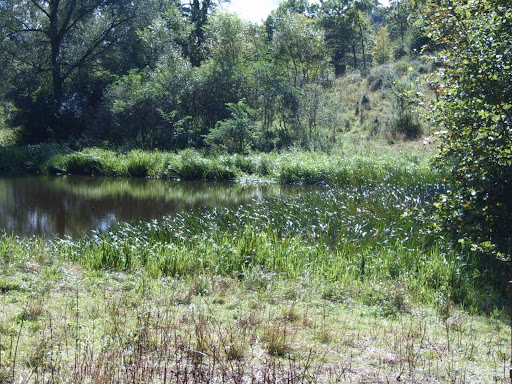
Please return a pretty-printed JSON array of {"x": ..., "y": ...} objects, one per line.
[
  {"x": 347, "y": 284},
  {"x": 62, "y": 323}
]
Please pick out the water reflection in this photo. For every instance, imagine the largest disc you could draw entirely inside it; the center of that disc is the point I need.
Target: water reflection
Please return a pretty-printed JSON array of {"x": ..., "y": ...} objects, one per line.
[{"x": 70, "y": 205}]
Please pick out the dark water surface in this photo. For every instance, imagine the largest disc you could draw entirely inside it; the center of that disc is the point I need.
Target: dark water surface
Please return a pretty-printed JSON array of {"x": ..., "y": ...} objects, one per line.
[{"x": 71, "y": 205}]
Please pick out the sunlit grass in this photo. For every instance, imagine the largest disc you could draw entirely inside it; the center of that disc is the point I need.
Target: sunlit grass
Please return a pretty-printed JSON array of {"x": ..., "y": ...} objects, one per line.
[
  {"x": 356, "y": 237},
  {"x": 348, "y": 166},
  {"x": 345, "y": 283},
  {"x": 66, "y": 322}
]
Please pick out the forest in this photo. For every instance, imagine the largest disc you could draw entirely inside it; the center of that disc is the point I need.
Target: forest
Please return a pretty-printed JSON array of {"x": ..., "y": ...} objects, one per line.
[{"x": 172, "y": 75}]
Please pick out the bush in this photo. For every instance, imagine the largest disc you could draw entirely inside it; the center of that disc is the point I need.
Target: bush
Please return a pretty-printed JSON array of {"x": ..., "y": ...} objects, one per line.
[
  {"x": 237, "y": 134},
  {"x": 381, "y": 77},
  {"x": 474, "y": 118},
  {"x": 405, "y": 121},
  {"x": 26, "y": 159}
]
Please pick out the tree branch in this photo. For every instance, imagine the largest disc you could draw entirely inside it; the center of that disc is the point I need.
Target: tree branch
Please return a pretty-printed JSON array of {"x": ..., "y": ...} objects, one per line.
[
  {"x": 38, "y": 6},
  {"x": 90, "y": 54}
]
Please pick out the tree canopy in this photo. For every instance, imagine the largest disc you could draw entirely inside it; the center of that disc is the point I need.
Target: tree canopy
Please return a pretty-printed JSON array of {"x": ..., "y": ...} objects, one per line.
[{"x": 50, "y": 41}]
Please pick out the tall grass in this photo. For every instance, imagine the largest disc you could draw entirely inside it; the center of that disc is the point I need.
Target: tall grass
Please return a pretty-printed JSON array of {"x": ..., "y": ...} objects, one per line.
[
  {"x": 344, "y": 283},
  {"x": 27, "y": 159},
  {"x": 357, "y": 238},
  {"x": 367, "y": 226},
  {"x": 339, "y": 169}
]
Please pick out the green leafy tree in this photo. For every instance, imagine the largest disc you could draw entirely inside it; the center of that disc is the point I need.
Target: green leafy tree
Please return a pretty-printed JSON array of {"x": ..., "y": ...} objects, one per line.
[
  {"x": 146, "y": 105},
  {"x": 222, "y": 75},
  {"x": 383, "y": 47},
  {"x": 298, "y": 49},
  {"x": 140, "y": 41},
  {"x": 347, "y": 31},
  {"x": 406, "y": 26},
  {"x": 48, "y": 43},
  {"x": 338, "y": 31},
  {"x": 198, "y": 12},
  {"x": 300, "y": 58},
  {"x": 474, "y": 120},
  {"x": 237, "y": 134}
]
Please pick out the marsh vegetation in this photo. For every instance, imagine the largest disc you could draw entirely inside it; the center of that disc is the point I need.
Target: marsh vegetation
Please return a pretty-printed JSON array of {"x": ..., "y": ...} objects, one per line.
[{"x": 342, "y": 283}]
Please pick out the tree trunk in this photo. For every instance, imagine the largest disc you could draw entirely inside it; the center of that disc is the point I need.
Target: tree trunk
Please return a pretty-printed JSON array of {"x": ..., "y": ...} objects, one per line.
[
  {"x": 55, "y": 41},
  {"x": 354, "y": 55},
  {"x": 362, "y": 40}
]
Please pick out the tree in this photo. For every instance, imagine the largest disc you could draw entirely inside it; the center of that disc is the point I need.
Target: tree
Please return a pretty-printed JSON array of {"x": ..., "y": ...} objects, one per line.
[
  {"x": 298, "y": 49},
  {"x": 49, "y": 41},
  {"x": 474, "y": 121},
  {"x": 406, "y": 26},
  {"x": 346, "y": 27},
  {"x": 222, "y": 73},
  {"x": 382, "y": 50},
  {"x": 146, "y": 106},
  {"x": 60, "y": 37},
  {"x": 198, "y": 12},
  {"x": 361, "y": 25},
  {"x": 337, "y": 31},
  {"x": 166, "y": 33},
  {"x": 300, "y": 58},
  {"x": 236, "y": 134}
]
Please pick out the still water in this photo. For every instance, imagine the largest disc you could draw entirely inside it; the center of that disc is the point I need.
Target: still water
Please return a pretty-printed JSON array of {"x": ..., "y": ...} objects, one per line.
[{"x": 71, "y": 205}]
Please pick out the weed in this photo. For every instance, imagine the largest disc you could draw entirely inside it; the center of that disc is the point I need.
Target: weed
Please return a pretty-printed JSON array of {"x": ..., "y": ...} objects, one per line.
[{"x": 277, "y": 339}]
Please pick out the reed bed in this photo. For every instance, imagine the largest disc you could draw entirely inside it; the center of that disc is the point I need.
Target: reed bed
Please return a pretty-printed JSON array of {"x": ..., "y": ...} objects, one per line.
[
  {"x": 342, "y": 168},
  {"x": 356, "y": 237}
]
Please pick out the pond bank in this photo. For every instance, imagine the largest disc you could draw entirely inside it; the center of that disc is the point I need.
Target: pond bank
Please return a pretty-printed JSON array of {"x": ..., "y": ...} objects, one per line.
[
  {"x": 349, "y": 168},
  {"x": 343, "y": 284}
]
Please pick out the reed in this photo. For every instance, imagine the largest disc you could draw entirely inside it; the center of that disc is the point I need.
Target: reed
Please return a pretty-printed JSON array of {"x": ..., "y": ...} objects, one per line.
[
  {"x": 346, "y": 168},
  {"x": 355, "y": 236}
]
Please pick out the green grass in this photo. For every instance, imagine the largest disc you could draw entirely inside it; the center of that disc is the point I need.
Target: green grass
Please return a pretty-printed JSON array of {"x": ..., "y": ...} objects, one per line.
[
  {"x": 342, "y": 284},
  {"x": 61, "y": 322},
  {"x": 356, "y": 237},
  {"x": 347, "y": 166}
]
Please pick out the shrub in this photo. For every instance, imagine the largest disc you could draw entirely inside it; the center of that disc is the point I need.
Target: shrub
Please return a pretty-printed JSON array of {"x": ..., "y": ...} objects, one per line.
[
  {"x": 474, "y": 118},
  {"x": 237, "y": 134}
]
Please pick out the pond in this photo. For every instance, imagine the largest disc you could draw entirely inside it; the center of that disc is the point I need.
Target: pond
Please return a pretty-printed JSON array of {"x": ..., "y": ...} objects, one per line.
[{"x": 50, "y": 206}]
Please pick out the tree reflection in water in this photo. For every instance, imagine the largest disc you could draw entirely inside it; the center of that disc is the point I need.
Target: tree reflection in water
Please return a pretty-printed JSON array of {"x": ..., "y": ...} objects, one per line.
[{"x": 70, "y": 205}]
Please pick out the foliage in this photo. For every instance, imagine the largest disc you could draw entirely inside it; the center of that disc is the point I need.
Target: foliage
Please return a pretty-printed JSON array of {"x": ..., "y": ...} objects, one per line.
[
  {"x": 348, "y": 31},
  {"x": 213, "y": 328},
  {"x": 474, "y": 120},
  {"x": 26, "y": 159},
  {"x": 144, "y": 106},
  {"x": 236, "y": 134},
  {"x": 406, "y": 27},
  {"x": 298, "y": 50},
  {"x": 159, "y": 74},
  {"x": 405, "y": 120},
  {"x": 48, "y": 43},
  {"x": 382, "y": 48}
]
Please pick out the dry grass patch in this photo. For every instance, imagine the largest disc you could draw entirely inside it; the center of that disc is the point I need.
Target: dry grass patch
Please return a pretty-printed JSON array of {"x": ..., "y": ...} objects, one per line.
[{"x": 116, "y": 328}]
